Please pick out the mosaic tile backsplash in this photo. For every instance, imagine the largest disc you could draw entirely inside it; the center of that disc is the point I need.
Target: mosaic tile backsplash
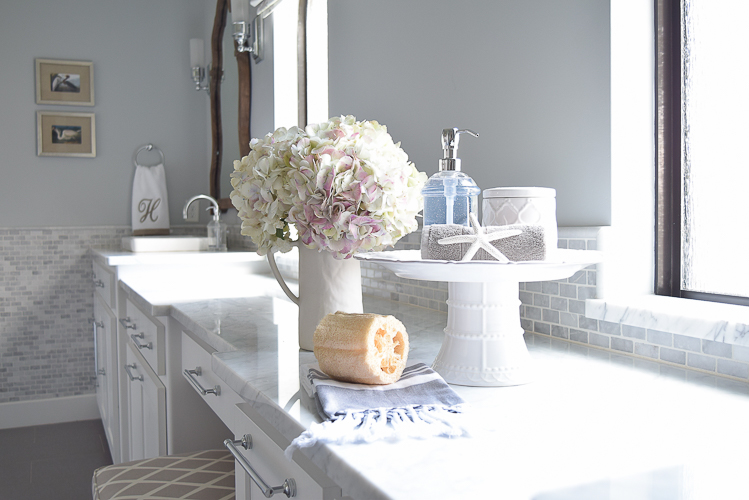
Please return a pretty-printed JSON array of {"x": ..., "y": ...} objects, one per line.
[
  {"x": 46, "y": 302},
  {"x": 46, "y": 305}
]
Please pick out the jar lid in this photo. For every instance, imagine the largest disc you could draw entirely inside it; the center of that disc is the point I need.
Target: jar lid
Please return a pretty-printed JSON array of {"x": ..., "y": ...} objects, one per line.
[{"x": 520, "y": 192}]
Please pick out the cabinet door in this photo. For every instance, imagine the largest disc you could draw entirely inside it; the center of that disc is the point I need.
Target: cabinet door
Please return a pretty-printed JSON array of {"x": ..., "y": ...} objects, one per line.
[
  {"x": 146, "y": 408},
  {"x": 100, "y": 359},
  {"x": 107, "y": 386}
]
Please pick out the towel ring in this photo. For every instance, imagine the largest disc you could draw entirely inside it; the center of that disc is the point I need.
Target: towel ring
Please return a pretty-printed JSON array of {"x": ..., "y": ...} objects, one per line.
[{"x": 147, "y": 147}]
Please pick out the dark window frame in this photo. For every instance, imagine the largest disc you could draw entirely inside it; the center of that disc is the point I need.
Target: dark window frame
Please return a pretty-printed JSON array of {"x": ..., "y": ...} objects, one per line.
[{"x": 668, "y": 133}]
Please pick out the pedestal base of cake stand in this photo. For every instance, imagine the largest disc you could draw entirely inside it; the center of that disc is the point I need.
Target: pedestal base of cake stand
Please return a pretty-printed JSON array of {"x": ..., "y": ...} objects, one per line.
[{"x": 484, "y": 344}]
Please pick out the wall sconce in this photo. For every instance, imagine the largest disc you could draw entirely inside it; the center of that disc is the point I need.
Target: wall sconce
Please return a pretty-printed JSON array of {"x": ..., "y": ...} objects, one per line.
[
  {"x": 197, "y": 62},
  {"x": 249, "y": 34}
]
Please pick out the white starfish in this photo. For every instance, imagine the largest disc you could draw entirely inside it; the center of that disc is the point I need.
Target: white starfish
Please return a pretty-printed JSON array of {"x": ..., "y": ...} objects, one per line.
[{"x": 481, "y": 239}]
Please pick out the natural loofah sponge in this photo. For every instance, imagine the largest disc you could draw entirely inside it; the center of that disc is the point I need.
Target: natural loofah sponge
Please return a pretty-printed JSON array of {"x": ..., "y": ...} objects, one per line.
[{"x": 362, "y": 348}]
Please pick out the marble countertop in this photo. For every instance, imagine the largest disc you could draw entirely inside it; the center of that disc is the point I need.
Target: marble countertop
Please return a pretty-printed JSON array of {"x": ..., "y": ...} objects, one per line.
[{"x": 592, "y": 425}]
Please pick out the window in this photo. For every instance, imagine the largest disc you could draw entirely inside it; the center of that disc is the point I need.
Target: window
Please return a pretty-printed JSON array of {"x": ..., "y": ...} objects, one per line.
[
  {"x": 285, "y": 65},
  {"x": 300, "y": 62},
  {"x": 702, "y": 220}
]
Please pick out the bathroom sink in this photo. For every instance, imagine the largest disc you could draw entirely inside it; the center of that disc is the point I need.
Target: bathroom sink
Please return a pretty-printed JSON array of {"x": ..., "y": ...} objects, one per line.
[{"x": 165, "y": 243}]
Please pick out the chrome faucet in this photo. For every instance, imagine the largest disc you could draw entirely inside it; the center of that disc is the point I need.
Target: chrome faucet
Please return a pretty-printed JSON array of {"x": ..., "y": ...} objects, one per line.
[
  {"x": 216, "y": 211},
  {"x": 216, "y": 228}
]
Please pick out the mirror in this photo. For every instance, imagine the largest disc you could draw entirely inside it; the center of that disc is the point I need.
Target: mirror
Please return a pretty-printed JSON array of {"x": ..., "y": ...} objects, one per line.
[{"x": 235, "y": 112}]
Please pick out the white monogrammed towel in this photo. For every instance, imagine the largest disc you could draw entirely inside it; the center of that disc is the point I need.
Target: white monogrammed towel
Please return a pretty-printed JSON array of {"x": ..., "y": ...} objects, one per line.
[
  {"x": 419, "y": 405},
  {"x": 150, "y": 209}
]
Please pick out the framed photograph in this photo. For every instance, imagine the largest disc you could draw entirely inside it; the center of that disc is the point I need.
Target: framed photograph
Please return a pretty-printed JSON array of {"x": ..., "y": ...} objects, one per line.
[
  {"x": 64, "y": 82},
  {"x": 65, "y": 134}
]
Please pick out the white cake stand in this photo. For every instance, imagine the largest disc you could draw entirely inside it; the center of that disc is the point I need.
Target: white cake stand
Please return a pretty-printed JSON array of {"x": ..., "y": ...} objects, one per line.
[{"x": 483, "y": 344}]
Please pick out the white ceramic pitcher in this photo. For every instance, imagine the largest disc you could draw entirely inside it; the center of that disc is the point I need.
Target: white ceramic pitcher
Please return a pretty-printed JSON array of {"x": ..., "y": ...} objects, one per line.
[{"x": 326, "y": 285}]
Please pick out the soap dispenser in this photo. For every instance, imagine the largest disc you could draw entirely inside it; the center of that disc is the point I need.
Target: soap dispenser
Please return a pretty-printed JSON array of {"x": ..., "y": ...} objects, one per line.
[
  {"x": 216, "y": 233},
  {"x": 450, "y": 195}
]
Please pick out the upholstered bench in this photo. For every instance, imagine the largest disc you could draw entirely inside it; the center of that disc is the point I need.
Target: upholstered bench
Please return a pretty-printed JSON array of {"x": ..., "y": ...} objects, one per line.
[{"x": 202, "y": 475}]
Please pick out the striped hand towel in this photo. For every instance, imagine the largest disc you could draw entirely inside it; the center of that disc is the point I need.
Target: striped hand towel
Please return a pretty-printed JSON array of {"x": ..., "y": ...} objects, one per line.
[{"x": 419, "y": 405}]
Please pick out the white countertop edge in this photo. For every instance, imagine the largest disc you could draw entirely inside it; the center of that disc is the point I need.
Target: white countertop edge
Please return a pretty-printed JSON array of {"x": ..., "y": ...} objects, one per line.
[{"x": 719, "y": 322}]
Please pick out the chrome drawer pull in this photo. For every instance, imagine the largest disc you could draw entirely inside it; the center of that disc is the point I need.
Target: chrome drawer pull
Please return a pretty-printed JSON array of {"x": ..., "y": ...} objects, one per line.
[
  {"x": 136, "y": 336},
  {"x": 288, "y": 487},
  {"x": 99, "y": 283},
  {"x": 96, "y": 350},
  {"x": 129, "y": 373},
  {"x": 97, "y": 325},
  {"x": 198, "y": 387},
  {"x": 125, "y": 322}
]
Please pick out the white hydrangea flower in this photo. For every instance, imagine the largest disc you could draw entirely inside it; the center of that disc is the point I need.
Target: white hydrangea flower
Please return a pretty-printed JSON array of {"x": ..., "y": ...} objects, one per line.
[{"x": 344, "y": 184}]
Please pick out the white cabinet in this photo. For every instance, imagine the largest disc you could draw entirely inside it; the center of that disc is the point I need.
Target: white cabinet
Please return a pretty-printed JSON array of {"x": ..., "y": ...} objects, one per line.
[
  {"x": 146, "y": 398},
  {"x": 105, "y": 358},
  {"x": 164, "y": 414},
  {"x": 160, "y": 413},
  {"x": 100, "y": 356}
]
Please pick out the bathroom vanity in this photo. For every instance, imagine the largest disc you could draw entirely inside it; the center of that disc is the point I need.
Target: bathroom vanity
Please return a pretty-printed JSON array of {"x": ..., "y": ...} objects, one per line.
[
  {"x": 139, "y": 385},
  {"x": 592, "y": 425}
]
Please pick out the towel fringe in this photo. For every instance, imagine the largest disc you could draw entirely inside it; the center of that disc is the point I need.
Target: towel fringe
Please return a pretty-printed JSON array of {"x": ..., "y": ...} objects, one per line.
[{"x": 419, "y": 422}]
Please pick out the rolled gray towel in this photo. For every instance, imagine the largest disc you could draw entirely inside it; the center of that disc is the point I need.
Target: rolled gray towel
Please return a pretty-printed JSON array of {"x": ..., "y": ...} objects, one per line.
[{"x": 528, "y": 245}]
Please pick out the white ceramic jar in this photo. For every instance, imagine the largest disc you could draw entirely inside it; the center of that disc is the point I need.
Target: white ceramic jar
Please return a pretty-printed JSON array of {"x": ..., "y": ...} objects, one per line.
[{"x": 522, "y": 205}]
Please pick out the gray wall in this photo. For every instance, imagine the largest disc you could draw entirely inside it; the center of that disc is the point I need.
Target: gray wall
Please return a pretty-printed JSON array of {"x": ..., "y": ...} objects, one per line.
[
  {"x": 143, "y": 94},
  {"x": 531, "y": 76}
]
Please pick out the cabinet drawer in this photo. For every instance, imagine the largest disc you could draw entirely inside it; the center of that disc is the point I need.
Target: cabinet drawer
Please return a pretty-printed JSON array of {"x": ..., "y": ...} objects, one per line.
[
  {"x": 196, "y": 368},
  {"x": 146, "y": 334},
  {"x": 104, "y": 284},
  {"x": 265, "y": 456}
]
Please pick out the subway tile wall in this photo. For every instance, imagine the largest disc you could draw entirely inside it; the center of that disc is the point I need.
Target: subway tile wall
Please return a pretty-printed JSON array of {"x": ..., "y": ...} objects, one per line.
[
  {"x": 556, "y": 309},
  {"x": 46, "y": 302}
]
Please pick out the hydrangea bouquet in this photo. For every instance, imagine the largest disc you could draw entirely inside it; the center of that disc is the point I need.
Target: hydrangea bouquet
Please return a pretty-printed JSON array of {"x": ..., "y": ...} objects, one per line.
[{"x": 344, "y": 184}]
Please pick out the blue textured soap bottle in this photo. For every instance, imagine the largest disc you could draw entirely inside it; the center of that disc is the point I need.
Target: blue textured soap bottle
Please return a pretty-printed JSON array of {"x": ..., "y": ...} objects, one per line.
[{"x": 450, "y": 195}]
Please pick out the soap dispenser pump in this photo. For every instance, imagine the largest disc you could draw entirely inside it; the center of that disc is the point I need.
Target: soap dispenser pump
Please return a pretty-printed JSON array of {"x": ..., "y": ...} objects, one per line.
[{"x": 450, "y": 195}]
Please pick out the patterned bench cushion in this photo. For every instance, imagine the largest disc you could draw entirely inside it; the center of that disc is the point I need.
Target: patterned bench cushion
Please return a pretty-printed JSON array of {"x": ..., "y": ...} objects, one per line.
[{"x": 202, "y": 475}]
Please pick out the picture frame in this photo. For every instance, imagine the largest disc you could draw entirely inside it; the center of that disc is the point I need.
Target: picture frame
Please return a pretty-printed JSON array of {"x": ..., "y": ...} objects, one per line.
[
  {"x": 64, "y": 82},
  {"x": 66, "y": 134}
]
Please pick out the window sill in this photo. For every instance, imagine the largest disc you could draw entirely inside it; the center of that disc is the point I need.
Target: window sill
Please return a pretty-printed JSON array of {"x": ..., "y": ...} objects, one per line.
[{"x": 718, "y": 322}]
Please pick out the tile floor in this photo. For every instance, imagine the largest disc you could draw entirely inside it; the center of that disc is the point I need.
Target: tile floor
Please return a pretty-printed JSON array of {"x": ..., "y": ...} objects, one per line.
[{"x": 51, "y": 462}]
